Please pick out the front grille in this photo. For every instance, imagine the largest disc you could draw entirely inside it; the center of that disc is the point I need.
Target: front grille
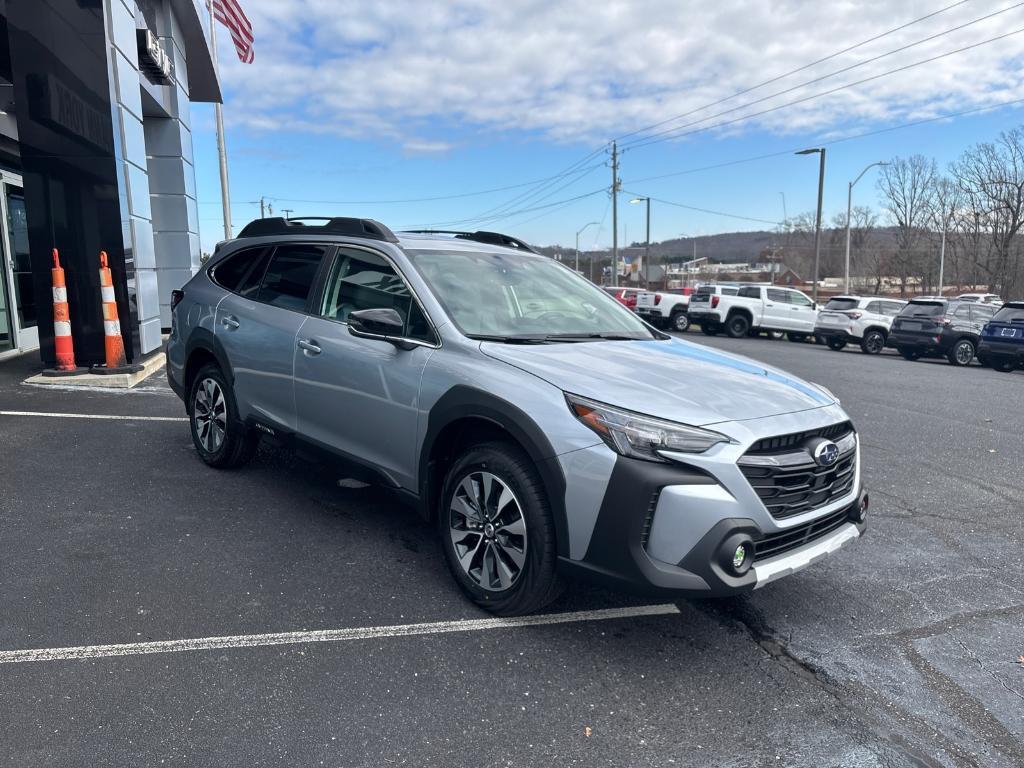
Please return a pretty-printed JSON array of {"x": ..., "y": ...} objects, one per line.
[
  {"x": 789, "y": 489},
  {"x": 774, "y": 444},
  {"x": 778, "y": 543}
]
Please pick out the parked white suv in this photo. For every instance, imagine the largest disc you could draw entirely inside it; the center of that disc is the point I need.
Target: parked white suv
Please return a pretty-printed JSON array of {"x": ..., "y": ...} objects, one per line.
[
  {"x": 756, "y": 308},
  {"x": 664, "y": 310},
  {"x": 863, "y": 320}
]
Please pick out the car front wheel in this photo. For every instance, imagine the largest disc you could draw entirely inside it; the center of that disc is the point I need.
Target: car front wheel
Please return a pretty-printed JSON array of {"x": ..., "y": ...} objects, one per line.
[
  {"x": 680, "y": 322},
  {"x": 873, "y": 343},
  {"x": 836, "y": 344},
  {"x": 220, "y": 438},
  {"x": 497, "y": 530}
]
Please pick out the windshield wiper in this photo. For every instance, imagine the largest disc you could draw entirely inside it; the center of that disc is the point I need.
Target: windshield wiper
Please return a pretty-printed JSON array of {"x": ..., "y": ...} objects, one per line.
[
  {"x": 607, "y": 336},
  {"x": 508, "y": 339}
]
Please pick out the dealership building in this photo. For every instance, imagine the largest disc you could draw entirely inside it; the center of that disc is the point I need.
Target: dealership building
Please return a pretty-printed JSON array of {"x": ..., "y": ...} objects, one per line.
[{"x": 96, "y": 155}]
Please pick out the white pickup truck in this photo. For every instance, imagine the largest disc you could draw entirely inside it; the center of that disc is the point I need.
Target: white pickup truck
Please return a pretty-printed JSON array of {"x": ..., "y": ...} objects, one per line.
[
  {"x": 755, "y": 308},
  {"x": 664, "y": 310}
]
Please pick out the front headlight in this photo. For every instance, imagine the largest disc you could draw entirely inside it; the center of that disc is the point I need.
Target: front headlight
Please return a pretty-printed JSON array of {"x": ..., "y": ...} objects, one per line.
[{"x": 637, "y": 436}]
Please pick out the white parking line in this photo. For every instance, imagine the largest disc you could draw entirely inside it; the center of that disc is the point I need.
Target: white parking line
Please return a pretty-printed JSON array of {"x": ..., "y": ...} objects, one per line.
[
  {"x": 327, "y": 635},
  {"x": 111, "y": 417}
]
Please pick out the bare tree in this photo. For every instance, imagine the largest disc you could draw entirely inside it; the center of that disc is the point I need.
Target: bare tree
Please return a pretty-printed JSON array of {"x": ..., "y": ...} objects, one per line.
[
  {"x": 991, "y": 179},
  {"x": 907, "y": 186}
]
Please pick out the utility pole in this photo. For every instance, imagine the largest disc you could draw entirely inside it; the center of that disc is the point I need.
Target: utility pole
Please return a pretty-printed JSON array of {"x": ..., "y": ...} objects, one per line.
[
  {"x": 942, "y": 249},
  {"x": 287, "y": 212},
  {"x": 615, "y": 207},
  {"x": 263, "y": 213},
  {"x": 270, "y": 209}
]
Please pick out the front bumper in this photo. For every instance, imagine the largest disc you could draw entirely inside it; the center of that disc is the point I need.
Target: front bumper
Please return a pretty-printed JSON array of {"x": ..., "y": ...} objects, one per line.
[{"x": 668, "y": 529}]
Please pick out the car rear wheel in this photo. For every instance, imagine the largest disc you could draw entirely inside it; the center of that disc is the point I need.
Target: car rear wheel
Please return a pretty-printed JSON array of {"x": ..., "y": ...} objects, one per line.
[
  {"x": 680, "y": 322},
  {"x": 737, "y": 326},
  {"x": 873, "y": 343},
  {"x": 709, "y": 329},
  {"x": 798, "y": 338},
  {"x": 962, "y": 353},
  {"x": 909, "y": 354},
  {"x": 836, "y": 344},
  {"x": 220, "y": 438},
  {"x": 497, "y": 530},
  {"x": 1003, "y": 365}
]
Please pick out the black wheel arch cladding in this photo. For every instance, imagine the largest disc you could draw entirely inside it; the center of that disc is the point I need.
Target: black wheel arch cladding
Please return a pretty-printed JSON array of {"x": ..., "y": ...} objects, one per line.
[{"x": 463, "y": 402}]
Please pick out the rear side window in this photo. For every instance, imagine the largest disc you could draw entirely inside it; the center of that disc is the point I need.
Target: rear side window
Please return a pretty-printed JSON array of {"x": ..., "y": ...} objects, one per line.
[
  {"x": 982, "y": 312},
  {"x": 729, "y": 291},
  {"x": 963, "y": 312},
  {"x": 843, "y": 305},
  {"x": 891, "y": 308},
  {"x": 1010, "y": 315},
  {"x": 241, "y": 272},
  {"x": 290, "y": 275},
  {"x": 923, "y": 309}
]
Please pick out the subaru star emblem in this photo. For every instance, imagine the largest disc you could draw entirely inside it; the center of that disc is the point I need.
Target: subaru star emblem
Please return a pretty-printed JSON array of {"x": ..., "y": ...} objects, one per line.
[{"x": 826, "y": 453}]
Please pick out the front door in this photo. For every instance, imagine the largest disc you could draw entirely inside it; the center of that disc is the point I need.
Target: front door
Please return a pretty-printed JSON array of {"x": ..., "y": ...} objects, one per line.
[
  {"x": 18, "y": 309},
  {"x": 358, "y": 396}
]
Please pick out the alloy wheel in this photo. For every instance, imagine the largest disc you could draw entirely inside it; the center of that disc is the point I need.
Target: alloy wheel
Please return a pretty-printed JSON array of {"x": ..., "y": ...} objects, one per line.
[
  {"x": 488, "y": 531},
  {"x": 874, "y": 343},
  {"x": 209, "y": 412},
  {"x": 964, "y": 352}
]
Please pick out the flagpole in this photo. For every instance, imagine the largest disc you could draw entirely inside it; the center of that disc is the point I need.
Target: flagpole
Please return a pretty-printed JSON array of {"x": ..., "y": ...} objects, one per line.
[{"x": 225, "y": 192}]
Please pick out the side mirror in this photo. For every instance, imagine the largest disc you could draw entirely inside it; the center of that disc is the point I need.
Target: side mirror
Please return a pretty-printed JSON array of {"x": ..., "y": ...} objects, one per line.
[{"x": 384, "y": 323}]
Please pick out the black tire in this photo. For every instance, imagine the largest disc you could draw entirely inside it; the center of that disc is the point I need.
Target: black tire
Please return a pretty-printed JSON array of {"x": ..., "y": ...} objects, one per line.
[
  {"x": 962, "y": 353},
  {"x": 909, "y": 354},
  {"x": 236, "y": 444},
  {"x": 873, "y": 343},
  {"x": 536, "y": 583},
  {"x": 737, "y": 326},
  {"x": 836, "y": 344},
  {"x": 680, "y": 321},
  {"x": 797, "y": 338},
  {"x": 1003, "y": 365},
  {"x": 776, "y": 335},
  {"x": 709, "y": 329}
]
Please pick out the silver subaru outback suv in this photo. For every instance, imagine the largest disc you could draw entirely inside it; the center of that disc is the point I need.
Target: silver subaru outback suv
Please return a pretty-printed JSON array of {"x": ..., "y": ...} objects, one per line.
[{"x": 544, "y": 428}]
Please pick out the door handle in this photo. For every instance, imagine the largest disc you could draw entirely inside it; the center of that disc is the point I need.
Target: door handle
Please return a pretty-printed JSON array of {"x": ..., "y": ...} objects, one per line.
[
  {"x": 230, "y": 322},
  {"x": 769, "y": 305},
  {"x": 309, "y": 347}
]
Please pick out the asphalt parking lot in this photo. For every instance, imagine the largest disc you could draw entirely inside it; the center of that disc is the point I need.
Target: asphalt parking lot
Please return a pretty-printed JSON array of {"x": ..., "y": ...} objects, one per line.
[{"x": 901, "y": 650}]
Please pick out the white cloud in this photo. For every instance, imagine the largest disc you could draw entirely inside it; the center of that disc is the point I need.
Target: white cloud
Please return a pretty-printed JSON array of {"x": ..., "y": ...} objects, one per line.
[{"x": 427, "y": 74}]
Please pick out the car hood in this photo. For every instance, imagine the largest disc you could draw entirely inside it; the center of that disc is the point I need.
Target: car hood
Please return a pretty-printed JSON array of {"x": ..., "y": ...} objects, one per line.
[{"x": 672, "y": 379}]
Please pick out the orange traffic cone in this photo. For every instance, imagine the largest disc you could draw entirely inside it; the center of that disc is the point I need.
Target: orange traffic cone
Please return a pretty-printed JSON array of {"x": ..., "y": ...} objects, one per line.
[
  {"x": 63, "y": 343},
  {"x": 112, "y": 341}
]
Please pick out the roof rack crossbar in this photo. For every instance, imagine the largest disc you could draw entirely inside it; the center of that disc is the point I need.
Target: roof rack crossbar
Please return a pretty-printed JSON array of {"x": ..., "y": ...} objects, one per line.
[
  {"x": 337, "y": 225},
  {"x": 480, "y": 236}
]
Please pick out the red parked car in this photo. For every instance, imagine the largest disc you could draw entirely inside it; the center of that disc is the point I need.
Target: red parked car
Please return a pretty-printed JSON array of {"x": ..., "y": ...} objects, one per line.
[{"x": 625, "y": 296}]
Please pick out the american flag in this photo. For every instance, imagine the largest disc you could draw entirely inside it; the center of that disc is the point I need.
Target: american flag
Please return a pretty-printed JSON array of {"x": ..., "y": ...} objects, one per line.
[{"x": 230, "y": 14}]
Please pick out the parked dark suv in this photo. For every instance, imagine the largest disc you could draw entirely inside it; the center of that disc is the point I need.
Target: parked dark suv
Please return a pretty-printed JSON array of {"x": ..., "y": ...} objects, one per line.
[
  {"x": 940, "y": 327},
  {"x": 1002, "y": 339}
]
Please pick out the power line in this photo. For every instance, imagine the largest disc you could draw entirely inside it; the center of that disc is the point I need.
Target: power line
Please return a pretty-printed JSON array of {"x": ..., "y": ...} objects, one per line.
[
  {"x": 498, "y": 217},
  {"x": 708, "y": 210},
  {"x": 649, "y": 138},
  {"x": 794, "y": 71},
  {"x": 865, "y": 134},
  {"x": 830, "y": 91}
]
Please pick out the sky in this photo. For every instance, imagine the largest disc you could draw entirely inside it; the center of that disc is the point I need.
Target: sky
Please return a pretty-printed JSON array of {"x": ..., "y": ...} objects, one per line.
[{"x": 475, "y": 114}]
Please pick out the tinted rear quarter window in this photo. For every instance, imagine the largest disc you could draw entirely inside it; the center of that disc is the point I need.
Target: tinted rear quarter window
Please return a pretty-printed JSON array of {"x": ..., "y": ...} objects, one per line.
[
  {"x": 290, "y": 274},
  {"x": 749, "y": 292},
  {"x": 241, "y": 272}
]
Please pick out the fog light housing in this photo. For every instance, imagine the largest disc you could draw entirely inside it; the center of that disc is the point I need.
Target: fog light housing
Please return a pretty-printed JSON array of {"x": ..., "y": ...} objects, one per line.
[
  {"x": 860, "y": 511},
  {"x": 736, "y": 554}
]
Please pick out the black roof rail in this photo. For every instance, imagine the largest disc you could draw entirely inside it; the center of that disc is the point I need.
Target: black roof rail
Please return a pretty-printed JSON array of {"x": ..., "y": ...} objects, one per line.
[
  {"x": 338, "y": 225},
  {"x": 491, "y": 238}
]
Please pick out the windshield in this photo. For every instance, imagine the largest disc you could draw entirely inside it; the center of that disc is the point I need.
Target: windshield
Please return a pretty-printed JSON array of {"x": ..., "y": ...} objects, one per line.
[
  {"x": 923, "y": 309},
  {"x": 841, "y": 305},
  {"x": 510, "y": 297}
]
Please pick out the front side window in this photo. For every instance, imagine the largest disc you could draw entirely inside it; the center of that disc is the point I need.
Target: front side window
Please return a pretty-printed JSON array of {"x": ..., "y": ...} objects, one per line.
[
  {"x": 290, "y": 275},
  {"x": 777, "y": 295},
  {"x": 513, "y": 296},
  {"x": 795, "y": 297},
  {"x": 364, "y": 280}
]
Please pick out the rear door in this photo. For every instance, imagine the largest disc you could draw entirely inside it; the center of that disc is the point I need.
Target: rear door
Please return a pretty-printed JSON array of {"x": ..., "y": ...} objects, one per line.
[{"x": 257, "y": 326}]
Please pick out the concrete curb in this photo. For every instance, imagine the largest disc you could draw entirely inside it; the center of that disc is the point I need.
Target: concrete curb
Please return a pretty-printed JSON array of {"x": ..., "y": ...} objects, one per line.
[{"x": 150, "y": 365}]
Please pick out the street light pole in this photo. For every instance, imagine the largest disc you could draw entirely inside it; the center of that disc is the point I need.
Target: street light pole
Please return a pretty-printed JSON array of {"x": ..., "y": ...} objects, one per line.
[
  {"x": 817, "y": 220},
  {"x": 647, "y": 242},
  {"x": 849, "y": 210},
  {"x": 578, "y": 233}
]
